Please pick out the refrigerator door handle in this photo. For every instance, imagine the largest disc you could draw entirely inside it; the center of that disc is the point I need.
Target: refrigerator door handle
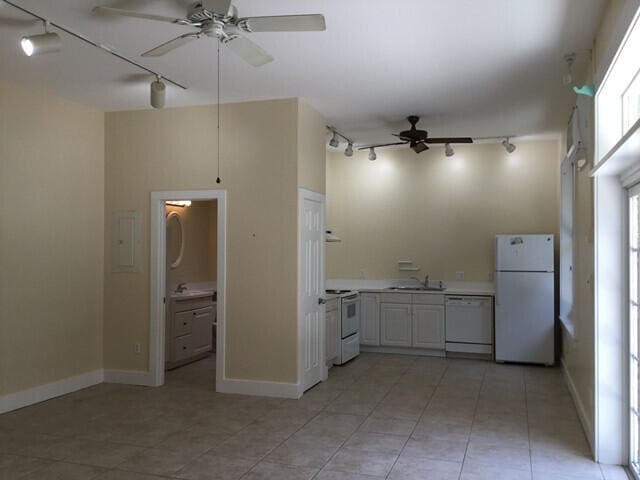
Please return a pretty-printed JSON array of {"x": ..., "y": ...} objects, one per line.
[{"x": 497, "y": 299}]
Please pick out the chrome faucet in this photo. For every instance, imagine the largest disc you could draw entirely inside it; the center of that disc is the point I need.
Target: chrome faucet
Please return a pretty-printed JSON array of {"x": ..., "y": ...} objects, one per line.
[
  {"x": 181, "y": 287},
  {"x": 425, "y": 284}
]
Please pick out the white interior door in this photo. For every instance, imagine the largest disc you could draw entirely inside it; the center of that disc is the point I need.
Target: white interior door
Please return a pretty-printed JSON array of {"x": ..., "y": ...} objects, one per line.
[{"x": 312, "y": 329}]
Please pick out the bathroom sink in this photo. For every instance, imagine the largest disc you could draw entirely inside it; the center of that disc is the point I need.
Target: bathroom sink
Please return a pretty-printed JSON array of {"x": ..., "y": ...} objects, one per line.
[{"x": 192, "y": 293}]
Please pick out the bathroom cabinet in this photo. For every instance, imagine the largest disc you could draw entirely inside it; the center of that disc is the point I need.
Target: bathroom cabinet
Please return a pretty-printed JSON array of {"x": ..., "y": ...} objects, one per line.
[{"x": 189, "y": 329}]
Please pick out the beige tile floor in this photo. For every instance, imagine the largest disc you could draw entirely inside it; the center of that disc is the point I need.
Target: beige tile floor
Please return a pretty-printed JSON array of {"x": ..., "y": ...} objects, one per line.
[{"x": 380, "y": 416}]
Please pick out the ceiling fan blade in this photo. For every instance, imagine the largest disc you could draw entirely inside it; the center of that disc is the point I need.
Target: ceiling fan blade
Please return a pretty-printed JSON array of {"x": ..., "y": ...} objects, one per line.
[
  {"x": 286, "y": 23},
  {"x": 381, "y": 145},
  {"x": 146, "y": 16},
  {"x": 450, "y": 140},
  {"x": 171, "y": 45},
  {"x": 248, "y": 51},
  {"x": 217, "y": 6}
]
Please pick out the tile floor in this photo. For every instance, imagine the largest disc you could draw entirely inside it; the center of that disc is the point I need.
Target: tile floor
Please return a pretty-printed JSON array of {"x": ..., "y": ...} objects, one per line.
[{"x": 381, "y": 416}]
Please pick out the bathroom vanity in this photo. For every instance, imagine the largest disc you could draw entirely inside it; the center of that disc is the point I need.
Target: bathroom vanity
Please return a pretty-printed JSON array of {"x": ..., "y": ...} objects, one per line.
[{"x": 190, "y": 323}]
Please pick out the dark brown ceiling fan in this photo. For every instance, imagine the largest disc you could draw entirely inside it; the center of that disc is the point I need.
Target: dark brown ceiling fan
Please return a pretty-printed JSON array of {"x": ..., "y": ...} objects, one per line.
[{"x": 419, "y": 140}]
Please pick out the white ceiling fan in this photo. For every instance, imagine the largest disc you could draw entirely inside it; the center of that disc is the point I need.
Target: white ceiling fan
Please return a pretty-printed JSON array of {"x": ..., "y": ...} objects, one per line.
[{"x": 219, "y": 19}]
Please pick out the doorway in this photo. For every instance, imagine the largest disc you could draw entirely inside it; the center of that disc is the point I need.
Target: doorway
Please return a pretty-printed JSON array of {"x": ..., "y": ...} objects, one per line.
[{"x": 171, "y": 299}]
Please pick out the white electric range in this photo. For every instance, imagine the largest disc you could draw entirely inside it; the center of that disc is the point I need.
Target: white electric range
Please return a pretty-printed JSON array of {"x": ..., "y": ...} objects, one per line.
[{"x": 348, "y": 324}]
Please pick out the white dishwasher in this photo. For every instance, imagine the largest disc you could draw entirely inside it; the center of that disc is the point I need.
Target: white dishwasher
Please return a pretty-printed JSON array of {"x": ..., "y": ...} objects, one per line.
[{"x": 469, "y": 324}]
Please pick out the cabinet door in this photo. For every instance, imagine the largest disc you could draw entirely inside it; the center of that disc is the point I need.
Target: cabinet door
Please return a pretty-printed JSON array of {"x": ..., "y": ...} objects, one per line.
[
  {"x": 369, "y": 319},
  {"x": 201, "y": 330},
  {"x": 428, "y": 326},
  {"x": 395, "y": 324},
  {"x": 332, "y": 334}
]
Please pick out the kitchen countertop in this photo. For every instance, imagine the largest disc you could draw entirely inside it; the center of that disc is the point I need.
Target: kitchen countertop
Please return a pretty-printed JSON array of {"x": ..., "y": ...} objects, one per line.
[{"x": 380, "y": 286}]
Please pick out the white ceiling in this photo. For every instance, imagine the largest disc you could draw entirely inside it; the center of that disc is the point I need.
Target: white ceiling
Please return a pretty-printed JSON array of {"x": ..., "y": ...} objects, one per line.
[{"x": 468, "y": 67}]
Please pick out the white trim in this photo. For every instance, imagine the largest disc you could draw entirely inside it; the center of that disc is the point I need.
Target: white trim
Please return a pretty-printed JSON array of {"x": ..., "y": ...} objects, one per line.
[
  {"x": 129, "y": 377},
  {"x": 260, "y": 388},
  {"x": 582, "y": 411},
  {"x": 24, "y": 398},
  {"x": 158, "y": 281},
  {"x": 303, "y": 194}
]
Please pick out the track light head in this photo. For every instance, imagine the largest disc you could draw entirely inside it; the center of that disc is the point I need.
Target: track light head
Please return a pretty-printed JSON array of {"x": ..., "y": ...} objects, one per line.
[
  {"x": 448, "y": 150},
  {"x": 38, "y": 44},
  {"x": 335, "y": 140},
  {"x": 508, "y": 146},
  {"x": 372, "y": 154},
  {"x": 158, "y": 93},
  {"x": 349, "y": 150}
]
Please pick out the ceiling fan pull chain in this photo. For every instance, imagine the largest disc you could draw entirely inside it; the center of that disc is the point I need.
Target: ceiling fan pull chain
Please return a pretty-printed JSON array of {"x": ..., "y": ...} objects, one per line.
[{"x": 218, "y": 180}]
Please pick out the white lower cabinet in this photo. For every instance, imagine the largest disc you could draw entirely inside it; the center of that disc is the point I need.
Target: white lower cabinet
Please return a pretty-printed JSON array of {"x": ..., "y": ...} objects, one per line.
[
  {"x": 369, "y": 319},
  {"x": 331, "y": 330},
  {"x": 395, "y": 324},
  {"x": 428, "y": 326},
  {"x": 189, "y": 329}
]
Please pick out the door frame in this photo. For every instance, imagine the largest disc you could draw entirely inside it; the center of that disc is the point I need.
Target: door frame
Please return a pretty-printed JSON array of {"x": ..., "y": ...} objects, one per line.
[
  {"x": 305, "y": 194},
  {"x": 157, "y": 271}
]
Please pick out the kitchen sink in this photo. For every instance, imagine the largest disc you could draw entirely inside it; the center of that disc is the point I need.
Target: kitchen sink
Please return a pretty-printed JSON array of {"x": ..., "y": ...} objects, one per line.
[{"x": 418, "y": 288}]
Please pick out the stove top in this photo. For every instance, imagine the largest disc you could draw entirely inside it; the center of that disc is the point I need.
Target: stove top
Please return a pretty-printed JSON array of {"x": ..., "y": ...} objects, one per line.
[{"x": 337, "y": 291}]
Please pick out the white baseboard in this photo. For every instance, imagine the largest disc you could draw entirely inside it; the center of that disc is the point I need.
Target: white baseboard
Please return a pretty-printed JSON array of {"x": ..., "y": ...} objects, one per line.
[
  {"x": 582, "y": 413},
  {"x": 24, "y": 398},
  {"x": 259, "y": 388},
  {"x": 129, "y": 377}
]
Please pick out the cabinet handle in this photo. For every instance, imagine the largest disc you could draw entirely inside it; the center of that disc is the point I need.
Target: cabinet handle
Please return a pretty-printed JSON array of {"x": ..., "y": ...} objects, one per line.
[
  {"x": 194, "y": 313},
  {"x": 184, "y": 348},
  {"x": 185, "y": 324}
]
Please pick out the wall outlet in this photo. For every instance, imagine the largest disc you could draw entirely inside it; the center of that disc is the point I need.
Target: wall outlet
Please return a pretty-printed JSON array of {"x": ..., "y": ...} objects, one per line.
[
  {"x": 459, "y": 275},
  {"x": 490, "y": 276},
  {"x": 138, "y": 348},
  {"x": 362, "y": 275}
]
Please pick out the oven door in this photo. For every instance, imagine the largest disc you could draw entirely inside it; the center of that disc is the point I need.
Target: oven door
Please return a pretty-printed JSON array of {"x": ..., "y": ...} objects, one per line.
[{"x": 350, "y": 315}]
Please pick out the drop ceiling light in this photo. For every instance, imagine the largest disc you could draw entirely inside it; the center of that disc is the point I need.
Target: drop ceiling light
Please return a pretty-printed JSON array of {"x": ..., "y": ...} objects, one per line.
[
  {"x": 335, "y": 140},
  {"x": 158, "y": 93},
  {"x": 349, "y": 150},
  {"x": 372, "y": 154},
  {"x": 508, "y": 146},
  {"x": 47, "y": 42},
  {"x": 448, "y": 150}
]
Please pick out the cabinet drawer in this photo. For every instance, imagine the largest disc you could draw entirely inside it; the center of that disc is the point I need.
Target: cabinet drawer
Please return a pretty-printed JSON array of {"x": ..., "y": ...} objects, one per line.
[
  {"x": 182, "y": 324},
  {"x": 182, "y": 348},
  {"x": 395, "y": 298},
  {"x": 181, "y": 305},
  {"x": 427, "y": 299}
]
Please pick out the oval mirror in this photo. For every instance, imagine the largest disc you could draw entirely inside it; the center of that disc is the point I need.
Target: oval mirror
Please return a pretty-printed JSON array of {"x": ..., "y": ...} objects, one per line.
[{"x": 175, "y": 239}]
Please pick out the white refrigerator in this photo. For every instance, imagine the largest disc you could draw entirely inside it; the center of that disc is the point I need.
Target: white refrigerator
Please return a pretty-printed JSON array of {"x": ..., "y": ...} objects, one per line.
[{"x": 525, "y": 299}]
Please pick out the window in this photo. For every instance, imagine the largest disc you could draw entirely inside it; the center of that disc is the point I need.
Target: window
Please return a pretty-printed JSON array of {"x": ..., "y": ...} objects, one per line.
[
  {"x": 634, "y": 300},
  {"x": 618, "y": 97},
  {"x": 631, "y": 103}
]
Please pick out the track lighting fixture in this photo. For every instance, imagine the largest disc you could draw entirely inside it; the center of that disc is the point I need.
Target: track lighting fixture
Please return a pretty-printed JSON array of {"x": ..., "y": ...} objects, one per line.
[
  {"x": 372, "y": 154},
  {"x": 448, "y": 150},
  {"x": 47, "y": 42},
  {"x": 335, "y": 140},
  {"x": 158, "y": 93},
  {"x": 349, "y": 150},
  {"x": 508, "y": 146}
]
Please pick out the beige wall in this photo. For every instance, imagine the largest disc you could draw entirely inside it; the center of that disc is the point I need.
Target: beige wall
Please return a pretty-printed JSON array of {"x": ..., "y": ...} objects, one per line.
[
  {"x": 311, "y": 149},
  {"x": 174, "y": 149},
  {"x": 51, "y": 238},
  {"x": 199, "y": 260},
  {"x": 578, "y": 352},
  {"x": 441, "y": 213}
]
